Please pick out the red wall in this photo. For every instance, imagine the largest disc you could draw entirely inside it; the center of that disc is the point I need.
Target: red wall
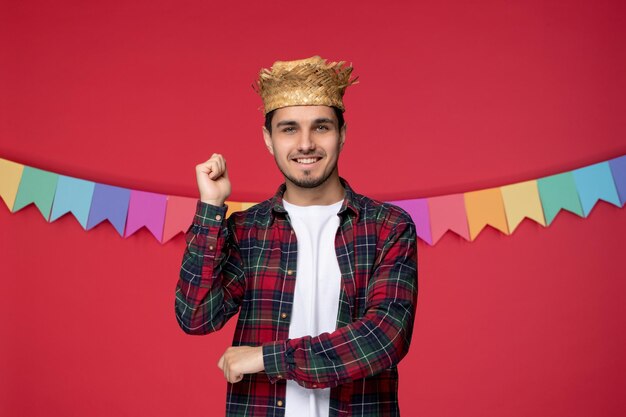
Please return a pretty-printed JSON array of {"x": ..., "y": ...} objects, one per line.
[{"x": 454, "y": 96}]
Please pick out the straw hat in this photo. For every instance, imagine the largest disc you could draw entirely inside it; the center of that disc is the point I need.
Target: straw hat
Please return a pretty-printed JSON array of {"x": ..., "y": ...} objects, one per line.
[{"x": 304, "y": 82}]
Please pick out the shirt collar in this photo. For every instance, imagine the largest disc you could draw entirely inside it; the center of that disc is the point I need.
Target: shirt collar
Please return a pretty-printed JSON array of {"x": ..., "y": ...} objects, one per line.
[{"x": 350, "y": 202}]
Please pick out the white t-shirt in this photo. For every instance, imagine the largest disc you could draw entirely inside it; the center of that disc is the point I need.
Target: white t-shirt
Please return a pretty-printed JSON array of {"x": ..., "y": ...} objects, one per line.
[{"x": 316, "y": 297}]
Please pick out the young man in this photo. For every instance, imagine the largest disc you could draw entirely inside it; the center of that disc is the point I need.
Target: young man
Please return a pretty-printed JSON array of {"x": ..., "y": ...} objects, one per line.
[{"x": 325, "y": 278}]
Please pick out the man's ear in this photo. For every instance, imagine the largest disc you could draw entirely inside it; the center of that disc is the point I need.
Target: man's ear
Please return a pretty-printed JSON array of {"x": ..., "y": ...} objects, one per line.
[
  {"x": 268, "y": 140},
  {"x": 342, "y": 136}
]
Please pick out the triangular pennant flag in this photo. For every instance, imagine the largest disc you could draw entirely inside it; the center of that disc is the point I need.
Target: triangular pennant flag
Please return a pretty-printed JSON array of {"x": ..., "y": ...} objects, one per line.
[
  {"x": 485, "y": 207},
  {"x": 233, "y": 206},
  {"x": 418, "y": 210},
  {"x": 36, "y": 186},
  {"x": 146, "y": 209},
  {"x": 595, "y": 182},
  {"x": 73, "y": 195},
  {"x": 447, "y": 213},
  {"x": 10, "y": 176},
  {"x": 178, "y": 216},
  {"x": 618, "y": 169},
  {"x": 522, "y": 200},
  {"x": 558, "y": 192},
  {"x": 109, "y": 203}
]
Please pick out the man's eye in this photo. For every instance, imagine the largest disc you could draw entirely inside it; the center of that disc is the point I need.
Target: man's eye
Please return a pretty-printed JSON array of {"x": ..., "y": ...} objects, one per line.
[
  {"x": 322, "y": 127},
  {"x": 289, "y": 130}
]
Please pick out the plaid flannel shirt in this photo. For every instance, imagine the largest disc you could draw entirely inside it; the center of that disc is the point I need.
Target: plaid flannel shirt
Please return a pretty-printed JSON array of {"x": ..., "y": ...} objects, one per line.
[{"x": 248, "y": 262}]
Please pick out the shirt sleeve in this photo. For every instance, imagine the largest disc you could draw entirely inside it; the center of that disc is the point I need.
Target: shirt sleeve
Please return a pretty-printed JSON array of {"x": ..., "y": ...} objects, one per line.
[
  {"x": 211, "y": 284},
  {"x": 365, "y": 347}
]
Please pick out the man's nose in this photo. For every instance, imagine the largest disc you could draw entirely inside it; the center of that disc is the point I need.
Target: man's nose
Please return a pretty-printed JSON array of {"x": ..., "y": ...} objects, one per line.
[{"x": 306, "y": 141}]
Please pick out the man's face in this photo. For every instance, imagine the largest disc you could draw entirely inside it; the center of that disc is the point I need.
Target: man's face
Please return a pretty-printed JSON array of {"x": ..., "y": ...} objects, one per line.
[{"x": 306, "y": 143}]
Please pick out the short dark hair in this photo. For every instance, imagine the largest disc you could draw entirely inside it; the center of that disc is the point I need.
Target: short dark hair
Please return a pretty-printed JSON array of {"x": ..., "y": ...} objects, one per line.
[{"x": 269, "y": 116}]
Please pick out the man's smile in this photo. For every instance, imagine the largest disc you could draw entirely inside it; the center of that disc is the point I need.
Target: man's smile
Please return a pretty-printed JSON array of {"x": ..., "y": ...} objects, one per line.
[{"x": 308, "y": 161}]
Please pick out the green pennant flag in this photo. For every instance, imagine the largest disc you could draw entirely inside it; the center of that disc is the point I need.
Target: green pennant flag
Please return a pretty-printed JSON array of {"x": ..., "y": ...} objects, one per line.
[
  {"x": 37, "y": 186},
  {"x": 558, "y": 192}
]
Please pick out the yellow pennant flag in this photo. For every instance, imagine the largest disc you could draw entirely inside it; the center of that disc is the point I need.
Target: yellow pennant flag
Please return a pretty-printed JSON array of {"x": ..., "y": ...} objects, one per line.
[
  {"x": 522, "y": 200},
  {"x": 10, "y": 176},
  {"x": 485, "y": 207}
]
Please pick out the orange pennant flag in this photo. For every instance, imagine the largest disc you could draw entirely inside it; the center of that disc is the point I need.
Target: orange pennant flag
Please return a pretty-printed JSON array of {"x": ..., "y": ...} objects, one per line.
[
  {"x": 245, "y": 206},
  {"x": 485, "y": 207},
  {"x": 233, "y": 206}
]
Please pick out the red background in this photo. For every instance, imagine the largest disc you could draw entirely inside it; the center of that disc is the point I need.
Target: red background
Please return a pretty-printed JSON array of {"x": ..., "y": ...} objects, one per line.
[{"x": 454, "y": 96}]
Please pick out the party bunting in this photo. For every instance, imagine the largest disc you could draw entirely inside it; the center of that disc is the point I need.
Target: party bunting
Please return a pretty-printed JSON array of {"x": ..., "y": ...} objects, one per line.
[
  {"x": 521, "y": 201},
  {"x": 558, "y": 192},
  {"x": 109, "y": 203},
  {"x": 418, "y": 210},
  {"x": 10, "y": 175},
  {"x": 178, "y": 216},
  {"x": 594, "y": 183},
  {"x": 246, "y": 206},
  {"x": 234, "y": 206},
  {"x": 485, "y": 207},
  {"x": 36, "y": 186},
  {"x": 465, "y": 214},
  {"x": 146, "y": 209},
  {"x": 447, "y": 212},
  {"x": 618, "y": 170},
  {"x": 180, "y": 211},
  {"x": 73, "y": 195}
]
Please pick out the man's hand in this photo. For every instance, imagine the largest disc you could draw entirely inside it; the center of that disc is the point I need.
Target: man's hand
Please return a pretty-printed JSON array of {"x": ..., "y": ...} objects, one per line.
[
  {"x": 213, "y": 182},
  {"x": 239, "y": 360}
]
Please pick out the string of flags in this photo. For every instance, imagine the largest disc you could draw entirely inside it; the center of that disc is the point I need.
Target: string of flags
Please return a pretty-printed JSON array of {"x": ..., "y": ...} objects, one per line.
[{"x": 465, "y": 214}]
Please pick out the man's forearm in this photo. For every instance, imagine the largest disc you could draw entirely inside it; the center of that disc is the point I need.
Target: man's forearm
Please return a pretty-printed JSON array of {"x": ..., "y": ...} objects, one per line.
[
  {"x": 240, "y": 360},
  {"x": 209, "y": 264},
  {"x": 365, "y": 347}
]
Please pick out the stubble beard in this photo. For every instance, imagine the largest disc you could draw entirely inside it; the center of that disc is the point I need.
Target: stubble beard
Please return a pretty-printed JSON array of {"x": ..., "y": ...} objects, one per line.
[{"x": 308, "y": 181}]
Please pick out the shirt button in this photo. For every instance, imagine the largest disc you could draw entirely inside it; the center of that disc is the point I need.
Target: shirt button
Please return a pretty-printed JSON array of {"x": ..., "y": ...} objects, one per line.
[
  {"x": 218, "y": 217},
  {"x": 279, "y": 376},
  {"x": 283, "y": 315},
  {"x": 314, "y": 385},
  {"x": 292, "y": 232},
  {"x": 290, "y": 272},
  {"x": 210, "y": 247},
  {"x": 279, "y": 403}
]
